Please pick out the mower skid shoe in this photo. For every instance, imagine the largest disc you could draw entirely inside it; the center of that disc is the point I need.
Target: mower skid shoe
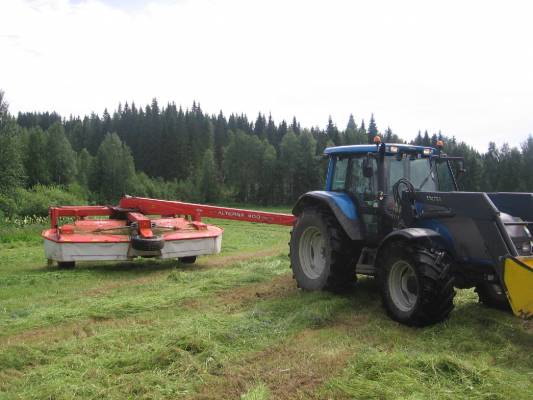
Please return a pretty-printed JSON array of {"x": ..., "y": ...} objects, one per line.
[{"x": 518, "y": 279}]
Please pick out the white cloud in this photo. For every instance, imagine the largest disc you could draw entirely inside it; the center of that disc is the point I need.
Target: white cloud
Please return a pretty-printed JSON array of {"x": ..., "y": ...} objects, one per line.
[{"x": 462, "y": 67}]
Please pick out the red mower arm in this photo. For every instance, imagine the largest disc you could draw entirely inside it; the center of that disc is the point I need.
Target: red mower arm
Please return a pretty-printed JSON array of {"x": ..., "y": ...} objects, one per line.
[
  {"x": 76, "y": 211},
  {"x": 197, "y": 211}
]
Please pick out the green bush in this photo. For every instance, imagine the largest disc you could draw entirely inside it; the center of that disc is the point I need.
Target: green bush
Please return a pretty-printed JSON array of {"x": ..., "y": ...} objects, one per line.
[
  {"x": 35, "y": 201},
  {"x": 144, "y": 186},
  {"x": 8, "y": 206}
]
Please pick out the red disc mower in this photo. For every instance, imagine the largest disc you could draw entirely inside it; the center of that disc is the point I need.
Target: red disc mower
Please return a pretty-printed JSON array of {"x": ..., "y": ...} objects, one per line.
[{"x": 141, "y": 227}]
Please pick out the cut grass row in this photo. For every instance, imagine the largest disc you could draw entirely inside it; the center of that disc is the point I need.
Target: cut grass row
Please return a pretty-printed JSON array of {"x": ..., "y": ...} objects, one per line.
[{"x": 235, "y": 326}]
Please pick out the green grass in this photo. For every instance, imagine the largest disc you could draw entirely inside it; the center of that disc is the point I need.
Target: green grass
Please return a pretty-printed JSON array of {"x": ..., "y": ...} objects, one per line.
[{"x": 234, "y": 326}]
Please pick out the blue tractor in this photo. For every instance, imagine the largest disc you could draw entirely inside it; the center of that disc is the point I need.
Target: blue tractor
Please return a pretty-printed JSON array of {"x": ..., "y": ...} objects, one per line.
[{"x": 393, "y": 211}]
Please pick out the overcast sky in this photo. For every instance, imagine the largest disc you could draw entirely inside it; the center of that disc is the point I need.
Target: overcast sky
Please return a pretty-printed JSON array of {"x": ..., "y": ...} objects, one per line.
[{"x": 463, "y": 67}]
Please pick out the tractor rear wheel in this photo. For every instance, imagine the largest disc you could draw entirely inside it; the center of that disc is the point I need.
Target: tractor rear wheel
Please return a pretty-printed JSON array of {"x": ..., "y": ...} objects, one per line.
[
  {"x": 492, "y": 295},
  {"x": 322, "y": 256},
  {"x": 416, "y": 284}
]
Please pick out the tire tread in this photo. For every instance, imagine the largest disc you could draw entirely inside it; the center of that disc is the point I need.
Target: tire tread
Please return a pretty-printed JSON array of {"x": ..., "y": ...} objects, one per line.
[{"x": 437, "y": 285}]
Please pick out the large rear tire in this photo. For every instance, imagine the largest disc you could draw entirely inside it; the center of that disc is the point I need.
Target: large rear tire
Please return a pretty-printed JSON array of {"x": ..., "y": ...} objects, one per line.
[
  {"x": 492, "y": 295},
  {"x": 416, "y": 284},
  {"x": 322, "y": 256}
]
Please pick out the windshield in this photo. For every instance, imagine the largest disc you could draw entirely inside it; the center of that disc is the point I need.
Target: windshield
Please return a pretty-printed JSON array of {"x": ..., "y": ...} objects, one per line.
[{"x": 419, "y": 172}]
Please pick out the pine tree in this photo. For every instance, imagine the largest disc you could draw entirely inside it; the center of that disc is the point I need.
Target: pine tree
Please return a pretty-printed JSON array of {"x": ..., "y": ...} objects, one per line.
[
  {"x": 268, "y": 175},
  {"x": 94, "y": 133},
  {"x": 221, "y": 140},
  {"x": 152, "y": 140},
  {"x": 426, "y": 141},
  {"x": 35, "y": 163},
  {"x": 4, "y": 111},
  {"x": 242, "y": 165},
  {"x": 113, "y": 170},
  {"x": 289, "y": 165},
  {"x": 260, "y": 126},
  {"x": 527, "y": 154},
  {"x": 372, "y": 129},
  {"x": 84, "y": 163},
  {"x": 351, "y": 133},
  {"x": 295, "y": 126},
  {"x": 281, "y": 132},
  {"x": 332, "y": 132},
  {"x": 418, "y": 140},
  {"x": 307, "y": 174},
  {"x": 207, "y": 181},
  {"x": 106, "y": 122},
  {"x": 61, "y": 159},
  {"x": 351, "y": 123},
  {"x": 388, "y": 136},
  {"x": 271, "y": 132},
  {"x": 11, "y": 166},
  {"x": 169, "y": 163}
]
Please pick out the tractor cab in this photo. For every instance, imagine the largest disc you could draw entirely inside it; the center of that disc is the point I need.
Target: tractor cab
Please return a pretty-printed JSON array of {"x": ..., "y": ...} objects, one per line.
[
  {"x": 367, "y": 174},
  {"x": 369, "y": 170}
]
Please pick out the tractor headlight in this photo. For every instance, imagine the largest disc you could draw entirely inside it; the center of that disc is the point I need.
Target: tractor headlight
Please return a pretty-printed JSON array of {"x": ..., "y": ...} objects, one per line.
[
  {"x": 393, "y": 149},
  {"x": 427, "y": 152}
]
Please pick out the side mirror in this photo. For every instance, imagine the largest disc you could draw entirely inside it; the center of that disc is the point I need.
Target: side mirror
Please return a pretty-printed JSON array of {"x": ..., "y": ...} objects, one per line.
[{"x": 368, "y": 169}]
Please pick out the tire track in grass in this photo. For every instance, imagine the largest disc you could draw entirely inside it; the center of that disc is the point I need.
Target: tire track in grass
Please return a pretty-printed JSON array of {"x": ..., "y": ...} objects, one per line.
[
  {"x": 295, "y": 368},
  {"x": 292, "y": 369},
  {"x": 80, "y": 329}
]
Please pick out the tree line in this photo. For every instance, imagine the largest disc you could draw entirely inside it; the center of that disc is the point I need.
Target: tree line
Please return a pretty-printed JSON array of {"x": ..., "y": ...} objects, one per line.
[{"x": 169, "y": 152}]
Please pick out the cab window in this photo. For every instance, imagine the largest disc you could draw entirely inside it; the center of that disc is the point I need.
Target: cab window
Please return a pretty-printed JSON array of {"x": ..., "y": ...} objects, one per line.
[
  {"x": 357, "y": 183},
  {"x": 339, "y": 175},
  {"x": 348, "y": 177},
  {"x": 422, "y": 175},
  {"x": 444, "y": 175}
]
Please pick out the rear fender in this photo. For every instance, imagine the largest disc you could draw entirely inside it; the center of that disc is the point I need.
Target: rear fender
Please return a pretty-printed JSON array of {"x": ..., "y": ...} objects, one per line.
[
  {"x": 427, "y": 237},
  {"x": 341, "y": 205}
]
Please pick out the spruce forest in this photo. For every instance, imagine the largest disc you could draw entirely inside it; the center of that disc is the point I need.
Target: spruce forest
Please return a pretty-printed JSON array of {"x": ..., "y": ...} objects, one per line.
[{"x": 187, "y": 154}]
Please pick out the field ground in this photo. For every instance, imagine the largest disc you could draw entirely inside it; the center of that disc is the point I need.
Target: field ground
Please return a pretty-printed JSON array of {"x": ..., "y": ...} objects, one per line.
[{"x": 235, "y": 326}]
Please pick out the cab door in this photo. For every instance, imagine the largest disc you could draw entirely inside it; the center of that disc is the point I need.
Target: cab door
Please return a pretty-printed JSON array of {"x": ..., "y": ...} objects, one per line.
[{"x": 349, "y": 177}]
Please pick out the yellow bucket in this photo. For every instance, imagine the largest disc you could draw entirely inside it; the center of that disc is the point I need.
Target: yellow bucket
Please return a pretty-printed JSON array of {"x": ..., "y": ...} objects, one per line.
[{"x": 518, "y": 279}]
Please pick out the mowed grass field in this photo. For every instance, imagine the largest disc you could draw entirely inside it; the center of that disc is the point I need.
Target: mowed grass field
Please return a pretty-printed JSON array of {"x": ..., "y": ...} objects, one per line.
[{"x": 234, "y": 326}]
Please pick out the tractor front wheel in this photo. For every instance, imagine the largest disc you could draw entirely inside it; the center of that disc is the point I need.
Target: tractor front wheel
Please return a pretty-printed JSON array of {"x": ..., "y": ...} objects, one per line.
[
  {"x": 322, "y": 255},
  {"x": 416, "y": 285}
]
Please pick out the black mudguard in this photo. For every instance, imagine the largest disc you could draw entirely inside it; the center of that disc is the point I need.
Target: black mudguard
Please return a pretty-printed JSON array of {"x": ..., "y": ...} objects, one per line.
[
  {"x": 427, "y": 236},
  {"x": 352, "y": 228}
]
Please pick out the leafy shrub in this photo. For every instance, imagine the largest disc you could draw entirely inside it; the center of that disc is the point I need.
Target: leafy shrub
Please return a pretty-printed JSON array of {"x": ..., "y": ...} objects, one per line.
[
  {"x": 144, "y": 186},
  {"x": 8, "y": 206},
  {"x": 35, "y": 202}
]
